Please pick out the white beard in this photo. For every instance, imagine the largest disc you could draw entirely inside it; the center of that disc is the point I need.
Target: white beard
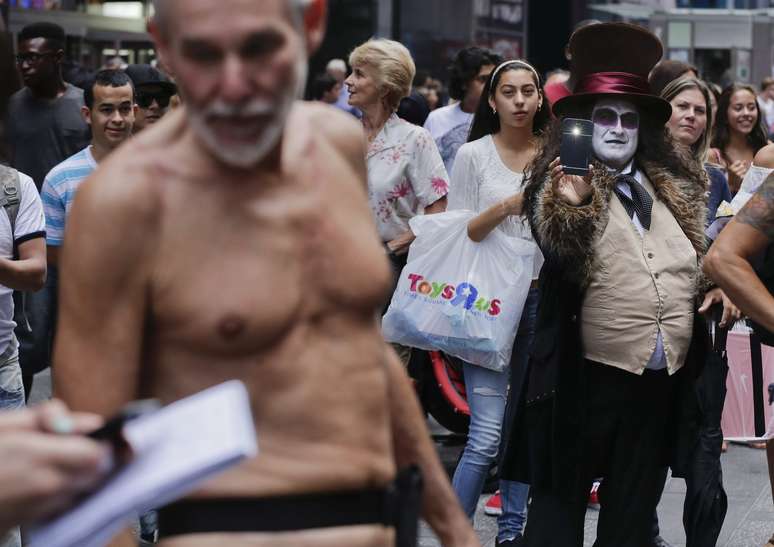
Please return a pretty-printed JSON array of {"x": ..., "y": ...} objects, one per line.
[{"x": 249, "y": 155}]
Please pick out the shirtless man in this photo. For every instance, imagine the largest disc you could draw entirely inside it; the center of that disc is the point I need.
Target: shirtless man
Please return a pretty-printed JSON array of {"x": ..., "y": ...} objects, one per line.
[
  {"x": 234, "y": 240},
  {"x": 729, "y": 262}
]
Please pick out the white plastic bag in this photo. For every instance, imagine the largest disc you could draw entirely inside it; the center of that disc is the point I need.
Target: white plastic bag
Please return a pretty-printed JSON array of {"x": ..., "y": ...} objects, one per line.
[{"x": 458, "y": 296}]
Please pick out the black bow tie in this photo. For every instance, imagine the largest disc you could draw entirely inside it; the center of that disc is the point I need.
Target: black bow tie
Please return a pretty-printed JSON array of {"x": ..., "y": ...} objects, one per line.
[{"x": 640, "y": 203}]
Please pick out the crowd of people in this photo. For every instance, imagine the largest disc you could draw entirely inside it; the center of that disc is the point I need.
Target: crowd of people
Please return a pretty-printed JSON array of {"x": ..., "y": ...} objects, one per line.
[{"x": 150, "y": 251}]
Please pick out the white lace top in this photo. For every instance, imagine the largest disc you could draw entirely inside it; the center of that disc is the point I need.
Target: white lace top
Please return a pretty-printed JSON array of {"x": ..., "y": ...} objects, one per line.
[{"x": 480, "y": 179}]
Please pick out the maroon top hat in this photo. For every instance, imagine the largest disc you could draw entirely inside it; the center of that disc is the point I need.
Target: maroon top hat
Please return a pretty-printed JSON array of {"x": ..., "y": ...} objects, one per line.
[{"x": 614, "y": 60}]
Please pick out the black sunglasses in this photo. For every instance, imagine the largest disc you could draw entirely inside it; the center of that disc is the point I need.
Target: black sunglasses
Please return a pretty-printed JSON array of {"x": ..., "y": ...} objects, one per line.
[
  {"x": 144, "y": 100},
  {"x": 607, "y": 117}
]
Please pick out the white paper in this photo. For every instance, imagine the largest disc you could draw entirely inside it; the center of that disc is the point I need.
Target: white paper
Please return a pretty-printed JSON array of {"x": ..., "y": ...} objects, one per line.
[
  {"x": 176, "y": 449},
  {"x": 750, "y": 184}
]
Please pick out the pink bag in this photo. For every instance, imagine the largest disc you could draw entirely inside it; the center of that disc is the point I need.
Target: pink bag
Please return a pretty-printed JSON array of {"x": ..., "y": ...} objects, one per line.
[{"x": 739, "y": 412}]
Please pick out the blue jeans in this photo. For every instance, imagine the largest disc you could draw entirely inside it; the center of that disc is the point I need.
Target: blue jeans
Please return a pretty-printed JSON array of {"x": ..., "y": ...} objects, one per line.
[
  {"x": 11, "y": 397},
  {"x": 493, "y": 398}
]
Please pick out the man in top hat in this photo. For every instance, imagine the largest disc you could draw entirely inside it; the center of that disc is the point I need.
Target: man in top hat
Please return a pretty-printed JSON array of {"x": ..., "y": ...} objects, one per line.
[
  {"x": 153, "y": 93},
  {"x": 622, "y": 248}
]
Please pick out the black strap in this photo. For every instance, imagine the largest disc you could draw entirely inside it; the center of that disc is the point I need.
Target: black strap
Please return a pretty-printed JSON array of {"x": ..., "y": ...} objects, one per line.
[
  {"x": 396, "y": 506},
  {"x": 757, "y": 381},
  {"x": 721, "y": 337},
  {"x": 271, "y": 514},
  {"x": 640, "y": 203},
  {"x": 10, "y": 195}
]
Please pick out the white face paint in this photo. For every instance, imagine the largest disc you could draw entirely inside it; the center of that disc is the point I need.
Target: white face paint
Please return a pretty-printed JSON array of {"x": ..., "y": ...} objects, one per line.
[{"x": 616, "y": 134}]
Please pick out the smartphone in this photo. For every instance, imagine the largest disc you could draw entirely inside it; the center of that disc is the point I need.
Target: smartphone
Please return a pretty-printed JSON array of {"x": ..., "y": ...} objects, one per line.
[{"x": 575, "y": 150}]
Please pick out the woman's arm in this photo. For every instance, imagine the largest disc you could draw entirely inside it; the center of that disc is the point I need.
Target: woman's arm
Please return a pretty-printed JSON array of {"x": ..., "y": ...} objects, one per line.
[
  {"x": 401, "y": 244},
  {"x": 483, "y": 225}
]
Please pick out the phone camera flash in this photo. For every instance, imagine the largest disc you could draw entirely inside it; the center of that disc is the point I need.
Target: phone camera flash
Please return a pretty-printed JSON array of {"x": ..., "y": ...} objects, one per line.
[{"x": 576, "y": 130}]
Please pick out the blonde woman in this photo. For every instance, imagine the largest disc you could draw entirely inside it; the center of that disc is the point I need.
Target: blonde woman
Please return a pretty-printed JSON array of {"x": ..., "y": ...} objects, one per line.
[{"x": 406, "y": 176}]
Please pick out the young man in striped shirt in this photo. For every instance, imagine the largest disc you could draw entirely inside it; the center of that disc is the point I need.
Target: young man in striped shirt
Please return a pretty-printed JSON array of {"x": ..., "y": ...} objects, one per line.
[{"x": 110, "y": 111}]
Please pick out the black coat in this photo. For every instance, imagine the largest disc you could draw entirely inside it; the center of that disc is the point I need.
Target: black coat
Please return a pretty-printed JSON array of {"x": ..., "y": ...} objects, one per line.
[{"x": 544, "y": 449}]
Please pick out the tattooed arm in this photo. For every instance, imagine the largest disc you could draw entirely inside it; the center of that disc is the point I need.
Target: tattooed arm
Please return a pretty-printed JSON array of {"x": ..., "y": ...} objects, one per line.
[{"x": 728, "y": 261}]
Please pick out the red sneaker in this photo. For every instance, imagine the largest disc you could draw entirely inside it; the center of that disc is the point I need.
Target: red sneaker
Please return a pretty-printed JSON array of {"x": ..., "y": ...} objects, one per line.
[
  {"x": 494, "y": 505},
  {"x": 594, "y": 495}
]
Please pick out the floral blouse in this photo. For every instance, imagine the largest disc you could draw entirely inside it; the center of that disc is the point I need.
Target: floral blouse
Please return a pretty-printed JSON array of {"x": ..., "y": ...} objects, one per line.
[{"x": 405, "y": 175}]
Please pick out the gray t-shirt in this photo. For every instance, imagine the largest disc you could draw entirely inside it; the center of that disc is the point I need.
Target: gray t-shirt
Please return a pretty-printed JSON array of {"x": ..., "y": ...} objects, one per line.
[{"x": 43, "y": 133}]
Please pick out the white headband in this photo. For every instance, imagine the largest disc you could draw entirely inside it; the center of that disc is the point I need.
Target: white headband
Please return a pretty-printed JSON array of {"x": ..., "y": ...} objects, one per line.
[{"x": 522, "y": 64}]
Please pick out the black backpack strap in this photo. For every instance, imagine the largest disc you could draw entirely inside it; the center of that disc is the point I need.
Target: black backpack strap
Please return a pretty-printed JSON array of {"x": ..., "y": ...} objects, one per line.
[
  {"x": 10, "y": 200},
  {"x": 10, "y": 195}
]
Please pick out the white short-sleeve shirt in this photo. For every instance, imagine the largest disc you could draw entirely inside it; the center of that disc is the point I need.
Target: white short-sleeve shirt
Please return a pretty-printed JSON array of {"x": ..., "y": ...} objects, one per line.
[
  {"x": 481, "y": 180},
  {"x": 30, "y": 224}
]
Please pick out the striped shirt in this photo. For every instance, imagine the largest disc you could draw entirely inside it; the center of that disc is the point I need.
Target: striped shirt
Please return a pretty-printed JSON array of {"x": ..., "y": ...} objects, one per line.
[{"x": 59, "y": 189}]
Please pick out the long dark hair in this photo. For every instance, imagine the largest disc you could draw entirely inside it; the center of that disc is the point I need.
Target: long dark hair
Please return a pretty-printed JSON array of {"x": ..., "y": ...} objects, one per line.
[
  {"x": 487, "y": 122},
  {"x": 655, "y": 146},
  {"x": 758, "y": 137}
]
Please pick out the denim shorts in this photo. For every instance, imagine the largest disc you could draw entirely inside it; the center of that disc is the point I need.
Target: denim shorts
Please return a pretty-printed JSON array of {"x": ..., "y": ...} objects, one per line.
[{"x": 11, "y": 385}]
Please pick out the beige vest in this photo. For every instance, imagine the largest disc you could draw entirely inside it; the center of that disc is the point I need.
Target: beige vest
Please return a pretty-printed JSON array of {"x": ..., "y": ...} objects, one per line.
[{"x": 640, "y": 284}]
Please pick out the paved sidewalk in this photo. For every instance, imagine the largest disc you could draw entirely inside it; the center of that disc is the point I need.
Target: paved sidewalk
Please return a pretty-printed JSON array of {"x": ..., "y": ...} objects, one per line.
[{"x": 749, "y": 522}]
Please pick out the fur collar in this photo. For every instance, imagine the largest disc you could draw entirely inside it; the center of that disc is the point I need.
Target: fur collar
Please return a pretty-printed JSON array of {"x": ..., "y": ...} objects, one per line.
[{"x": 566, "y": 232}]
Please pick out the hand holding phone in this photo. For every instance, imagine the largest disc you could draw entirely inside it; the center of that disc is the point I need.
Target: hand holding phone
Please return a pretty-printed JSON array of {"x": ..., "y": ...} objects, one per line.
[{"x": 572, "y": 189}]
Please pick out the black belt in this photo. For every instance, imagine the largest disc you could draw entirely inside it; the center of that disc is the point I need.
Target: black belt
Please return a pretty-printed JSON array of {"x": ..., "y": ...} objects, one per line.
[{"x": 386, "y": 507}]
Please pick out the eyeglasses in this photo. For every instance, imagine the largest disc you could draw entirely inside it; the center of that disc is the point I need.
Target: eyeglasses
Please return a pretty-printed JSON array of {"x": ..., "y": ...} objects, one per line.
[
  {"x": 32, "y": 57},
  {"x": 607, "y": 117},
  {"x": 144, "y": 100}
]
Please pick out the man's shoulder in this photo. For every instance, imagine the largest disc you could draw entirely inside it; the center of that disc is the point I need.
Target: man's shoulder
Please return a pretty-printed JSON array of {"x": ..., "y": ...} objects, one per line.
[
  {"x": 444, "y": 114},
  {"x": 765, "y": 157},
  {"x": 21, "y": 95},
  {"x": 122, "y": 188},
  {"x": 339, "y": 129},
  {"x": 78, "y": 166},
  {"x": 73, "y": 94},
  {"x": 17, "y": 101},
  {"x": 445, "y": 111}
]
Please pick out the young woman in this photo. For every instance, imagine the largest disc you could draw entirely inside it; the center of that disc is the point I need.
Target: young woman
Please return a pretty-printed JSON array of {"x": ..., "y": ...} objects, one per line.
[
  {"x": 487, "y": 178},
  {"x": 739, "y": 132}
]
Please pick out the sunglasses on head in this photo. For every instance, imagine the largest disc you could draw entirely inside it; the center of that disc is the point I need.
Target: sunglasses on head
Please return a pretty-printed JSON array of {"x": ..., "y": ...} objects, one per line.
[
  {"x": 607, "y": 117},
  {"x": 144, "y": 100}
]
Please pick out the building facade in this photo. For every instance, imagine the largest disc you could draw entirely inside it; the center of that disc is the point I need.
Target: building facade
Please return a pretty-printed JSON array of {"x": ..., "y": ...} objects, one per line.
[{"x": 97, "y": 31}]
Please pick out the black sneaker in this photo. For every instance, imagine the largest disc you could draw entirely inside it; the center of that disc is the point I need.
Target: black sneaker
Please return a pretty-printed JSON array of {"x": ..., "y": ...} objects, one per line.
[
  {"x": 658, "y": 541},
  {"x": 514, "y": 542}
]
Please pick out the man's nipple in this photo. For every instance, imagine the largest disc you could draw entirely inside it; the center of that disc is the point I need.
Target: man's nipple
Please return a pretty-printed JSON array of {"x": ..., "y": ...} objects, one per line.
[{"x": 231, "y": 326}]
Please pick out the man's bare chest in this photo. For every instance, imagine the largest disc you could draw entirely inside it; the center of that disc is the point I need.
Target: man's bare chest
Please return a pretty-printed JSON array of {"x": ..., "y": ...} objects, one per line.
[{"x": 244, "y": 276}]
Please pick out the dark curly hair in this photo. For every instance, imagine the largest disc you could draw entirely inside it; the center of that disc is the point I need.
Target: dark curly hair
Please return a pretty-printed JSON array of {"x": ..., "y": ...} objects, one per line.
[
  {"x": 487, "y": 122},
  {"x": 655, "y": 145},
  {"x": 466, "y": 66},
  {"x": 757, "y": 138}
]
